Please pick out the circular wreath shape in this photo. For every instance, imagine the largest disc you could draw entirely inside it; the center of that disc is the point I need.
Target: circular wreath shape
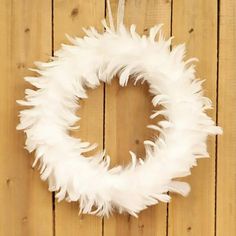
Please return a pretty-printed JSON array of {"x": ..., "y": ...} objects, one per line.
[{"x": 97, "y": 58}]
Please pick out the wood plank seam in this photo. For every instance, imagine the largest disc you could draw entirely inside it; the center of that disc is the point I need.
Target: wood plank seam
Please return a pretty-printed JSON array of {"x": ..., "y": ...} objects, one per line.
[
  {"x": 171, "y": 34},
  {"x": 216, "y": 115},
  {"x": 53, "y": 193},
  {"x": 104, "y": 115}
]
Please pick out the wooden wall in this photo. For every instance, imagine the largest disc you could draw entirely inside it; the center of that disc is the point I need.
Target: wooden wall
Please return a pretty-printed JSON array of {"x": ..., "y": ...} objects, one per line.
[{"x": 31, "y": 30}]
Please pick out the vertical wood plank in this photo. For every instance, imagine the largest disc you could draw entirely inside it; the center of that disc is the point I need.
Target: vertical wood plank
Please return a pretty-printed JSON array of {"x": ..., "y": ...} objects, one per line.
[
  {"x": 24, "y": 199},
  {"x": 69, "y": 17},
  {"x": 195, "y": 22},
  {"x": 226, "y": 171},
  {"x": 127, "y": 113}
]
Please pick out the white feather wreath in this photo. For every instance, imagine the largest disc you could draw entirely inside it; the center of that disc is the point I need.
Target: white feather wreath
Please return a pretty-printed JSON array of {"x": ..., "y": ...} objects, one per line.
[{"x": 99, "y": 57}]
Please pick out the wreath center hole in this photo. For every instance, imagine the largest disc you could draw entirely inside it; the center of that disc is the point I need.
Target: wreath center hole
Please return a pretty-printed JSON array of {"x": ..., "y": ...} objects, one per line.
[{"x": 116, "y": 118}]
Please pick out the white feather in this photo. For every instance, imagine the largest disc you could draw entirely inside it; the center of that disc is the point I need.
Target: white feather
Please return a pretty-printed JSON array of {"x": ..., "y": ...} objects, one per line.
[{"x": 97, "y": 57}]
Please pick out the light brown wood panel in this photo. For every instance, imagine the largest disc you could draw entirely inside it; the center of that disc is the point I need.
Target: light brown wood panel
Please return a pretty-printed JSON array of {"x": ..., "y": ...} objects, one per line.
[
  {"x": 127, "y": 113},
  {"x": 226, "y": 171},
  {"x": 195, "y": 22},
  {"x": 69, "y": 17},
  {"x": 26, "y": 207},
  {"x": 24, "y": 200}
]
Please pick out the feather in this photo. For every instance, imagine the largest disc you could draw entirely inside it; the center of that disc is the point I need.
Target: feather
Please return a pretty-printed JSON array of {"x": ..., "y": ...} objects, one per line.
[{"x": 88, "y": 61}]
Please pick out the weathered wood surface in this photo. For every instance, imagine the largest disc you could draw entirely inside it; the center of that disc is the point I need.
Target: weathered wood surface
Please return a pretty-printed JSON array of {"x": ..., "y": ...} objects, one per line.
[{"x": 116, "y": 117}]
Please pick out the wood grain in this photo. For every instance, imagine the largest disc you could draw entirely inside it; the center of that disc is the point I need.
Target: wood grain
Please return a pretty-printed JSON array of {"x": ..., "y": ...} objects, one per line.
[
  {"x": 226, "y": 171},
  {"x": 127, "y": 113},
  {"x": 30, "y": 29},
  {"x": 69, "y": 17},
  {"x": 195, "y": 22},
  {"x": 24, "y": 199}
]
